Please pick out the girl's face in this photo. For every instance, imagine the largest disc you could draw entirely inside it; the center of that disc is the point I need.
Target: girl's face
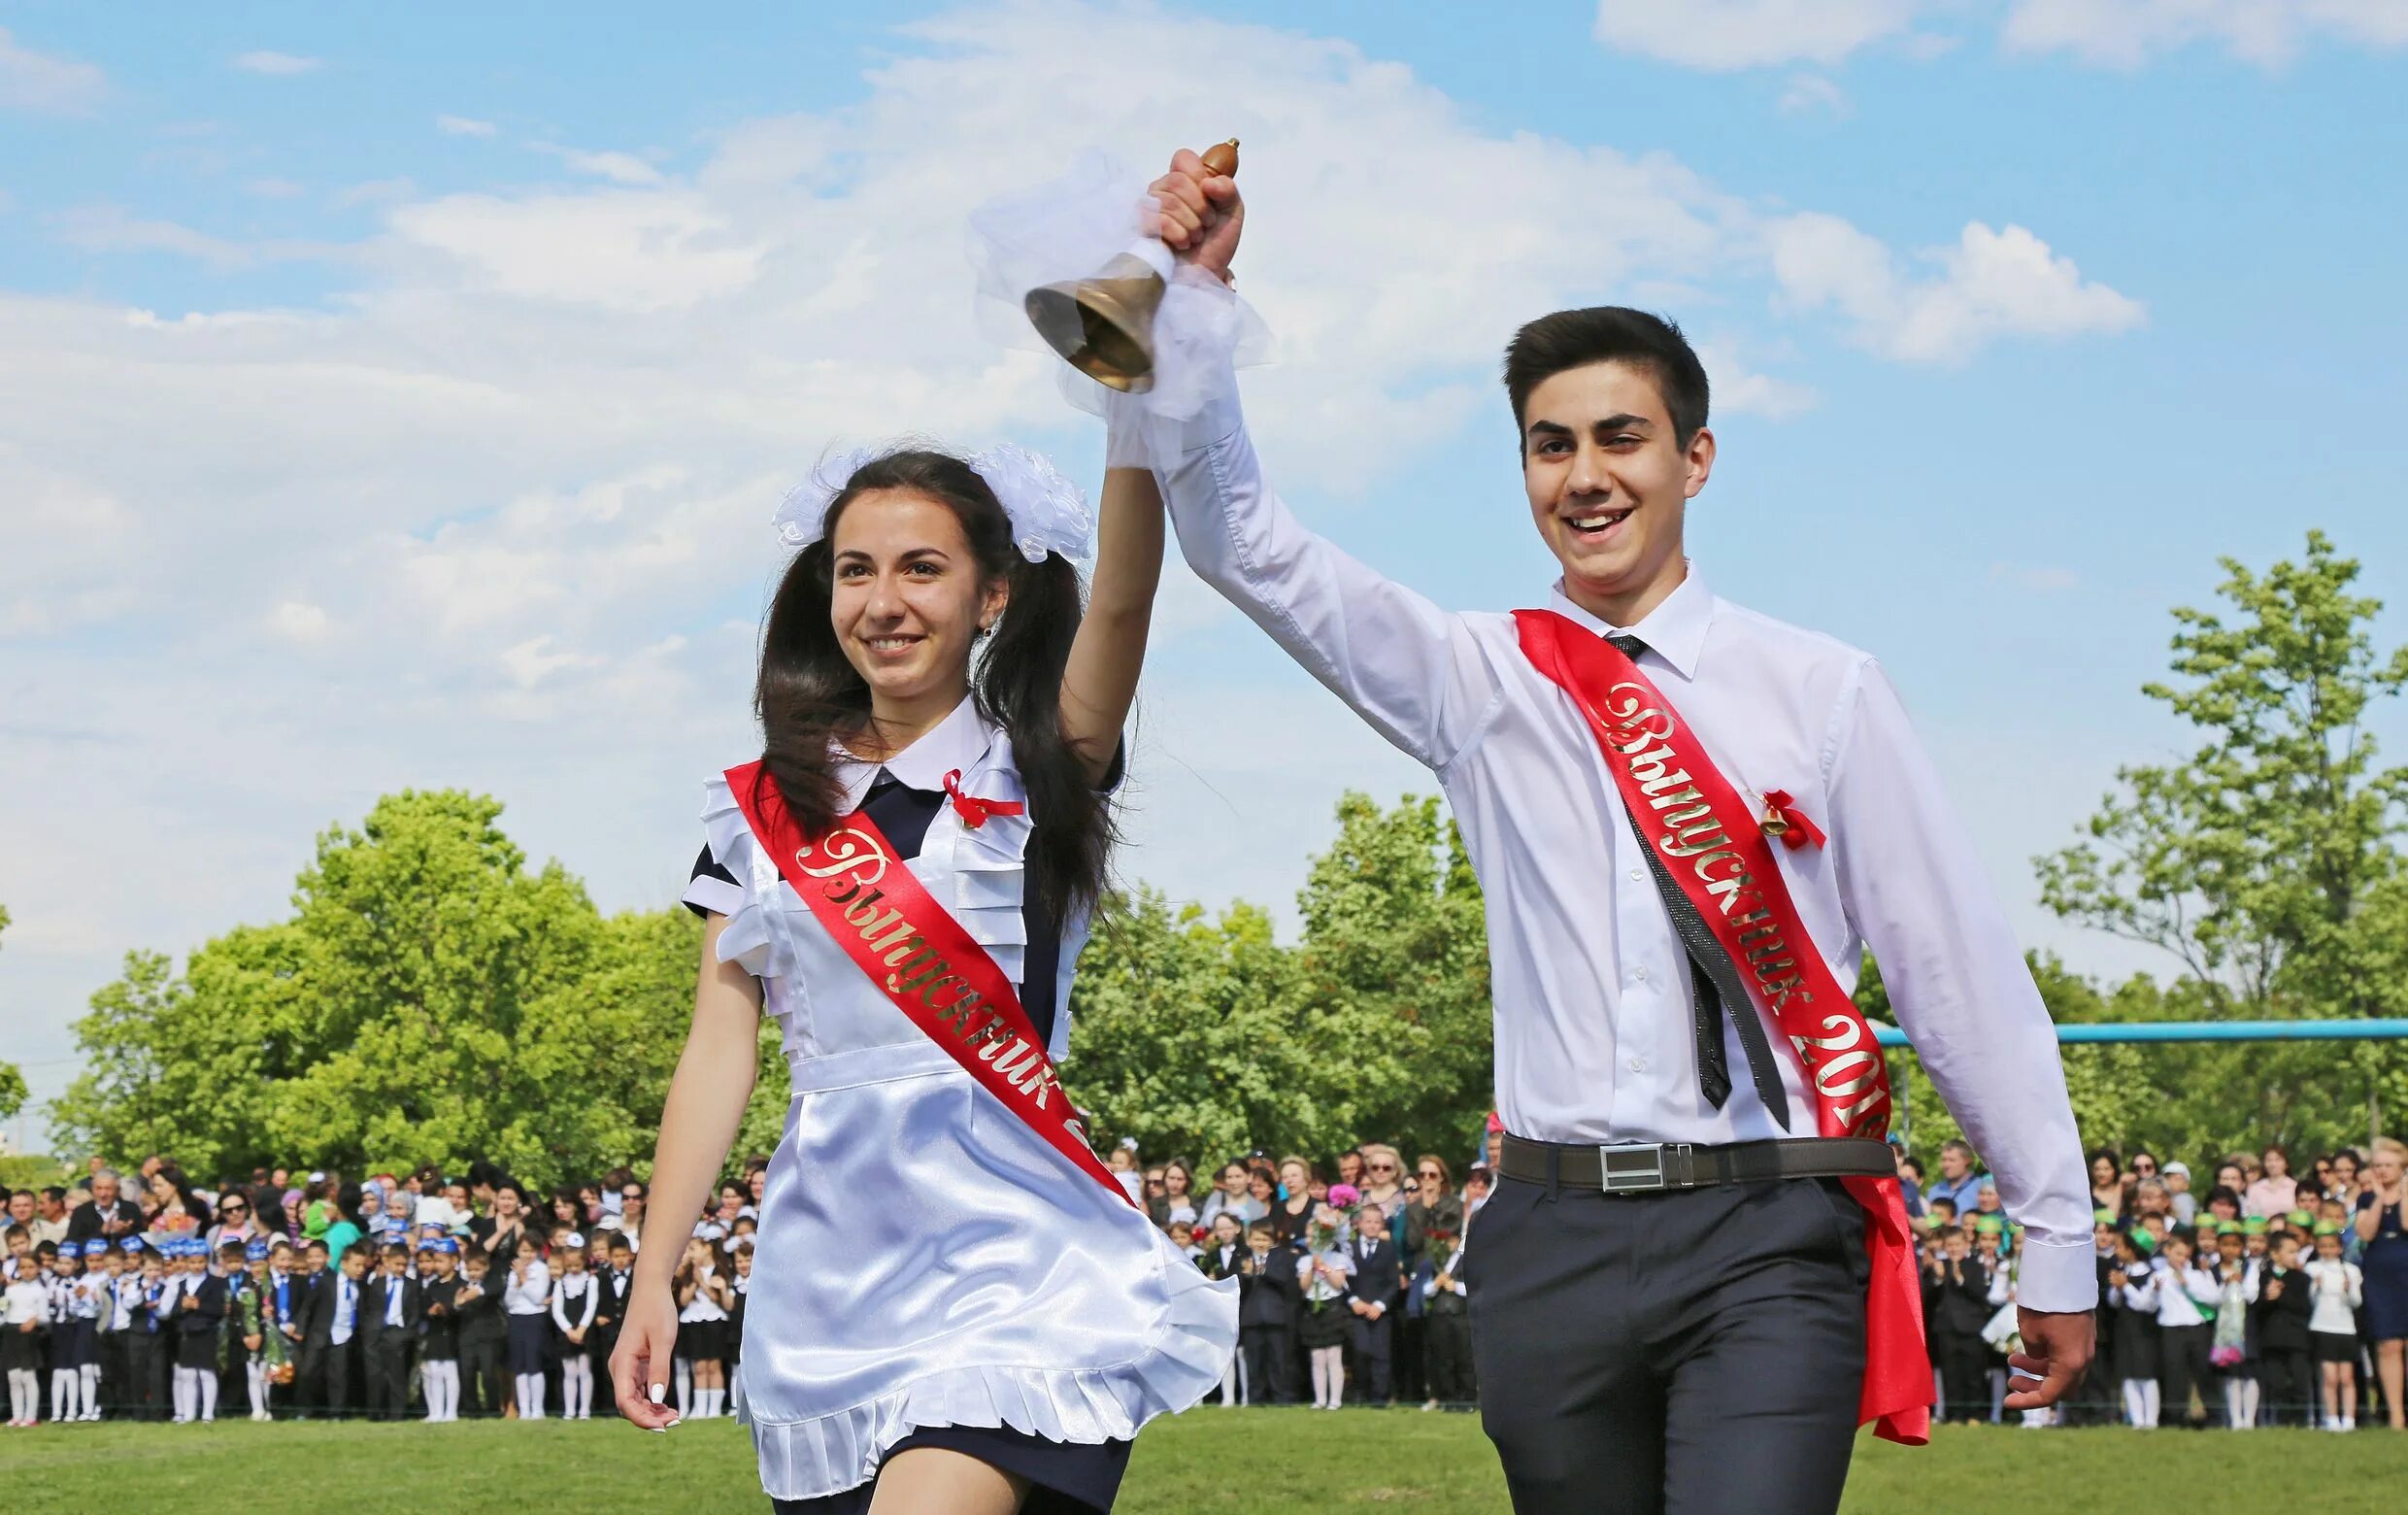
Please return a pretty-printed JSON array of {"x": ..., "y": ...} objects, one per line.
[
  {"x": 556, "y": 1264},
  {"x": 1258, "y": 1185},
  {"x": 2328, "y": 1247},
  {"x": 1175, "y": 1180},
  {"x": 1225, "y": 1227},
  {"x": 2345, "y": 1171},
  {"x": 1234, "y": 1181},
  {"x": 757, "y": 1183},
  {"x": 1319, "y": 1188},
  {"x": 907, "y": 600},
  {"x": 2102, "y": 1171},
  {"x": 744, "y": 1264},
  {"x": 564, "y": 1208},
  {"x": 2277, "y": 1165}
]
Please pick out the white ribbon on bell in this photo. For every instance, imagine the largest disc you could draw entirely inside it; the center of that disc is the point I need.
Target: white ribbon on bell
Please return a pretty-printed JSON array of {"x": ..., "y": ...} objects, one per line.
[{"x": 1048, "y": 512}]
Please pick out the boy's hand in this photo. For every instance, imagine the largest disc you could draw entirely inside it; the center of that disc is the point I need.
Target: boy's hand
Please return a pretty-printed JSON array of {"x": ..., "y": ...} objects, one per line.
[{"x": 1200, "y": 213}]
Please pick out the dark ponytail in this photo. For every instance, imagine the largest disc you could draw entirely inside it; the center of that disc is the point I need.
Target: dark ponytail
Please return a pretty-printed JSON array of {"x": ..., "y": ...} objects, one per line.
[{"x": 809, "y": 694}]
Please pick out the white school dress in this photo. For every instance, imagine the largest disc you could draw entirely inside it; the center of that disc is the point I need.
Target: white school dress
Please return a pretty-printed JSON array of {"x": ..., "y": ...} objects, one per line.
[{"x": 925, "y": 1259}]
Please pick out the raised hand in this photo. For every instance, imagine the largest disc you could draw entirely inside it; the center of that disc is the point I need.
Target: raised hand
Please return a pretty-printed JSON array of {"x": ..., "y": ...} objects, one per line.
[{"x": 1200, "y": 213}]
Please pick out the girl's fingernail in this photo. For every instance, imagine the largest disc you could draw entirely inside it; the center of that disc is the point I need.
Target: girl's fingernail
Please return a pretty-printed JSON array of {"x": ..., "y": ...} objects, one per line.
[{"x": 659, "y": 1392}]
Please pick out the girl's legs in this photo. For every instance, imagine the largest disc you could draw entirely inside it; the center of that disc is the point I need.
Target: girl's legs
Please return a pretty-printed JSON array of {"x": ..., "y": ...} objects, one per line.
[
  {"x": 1997, "y": 1378},
  {"x": 255, "y": 1384},
  {"x": 91, "y": 1374},
  {"x": 65, "y": 1390},
  {"x": 187, "y": 1393},
  {"x": 938, "y": 1481},
  {"x": 684, "y": 1375},
  {"x": 207, "y": 1384},
  {"x": 709, "y": 1388},
  {"x": 2250, "y": 1393},
  {"x": 20, "y": 1395},
  {"x": 576, "y": 1386}
]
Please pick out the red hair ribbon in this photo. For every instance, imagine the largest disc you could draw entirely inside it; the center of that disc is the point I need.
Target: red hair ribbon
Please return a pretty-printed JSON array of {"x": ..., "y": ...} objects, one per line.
[
  {"x": 1794, "y": 831},
  {"x": 974, "y": 810}
]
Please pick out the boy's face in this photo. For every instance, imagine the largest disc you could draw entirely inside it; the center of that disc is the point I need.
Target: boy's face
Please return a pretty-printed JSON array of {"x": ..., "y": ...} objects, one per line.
[
  {"x": 1607, "y": 482},
  {"x": 2286, "y": 1252},
  {"x": 1955, "y": 1245},
  {"x": 622, "y": 1257},
  {"x": 2177, "y": 1251},
  {"x": 63, "y": 1266},
  {"x": 476, "y": 1266},
  {"x": 258, "y": 1268},
  {"x": 1258, "y": 1242},
  {"x": 354, "y": 1263},
  {"x": 395, "y": 1263},
  {"x": 316, "y": 1261},
  {"x": 1372, "y": 1222},
  {"x": 151, "y": 1271},
  {"x": 1224, "y": 1229},
  {"x": 744, "y": 1264}
]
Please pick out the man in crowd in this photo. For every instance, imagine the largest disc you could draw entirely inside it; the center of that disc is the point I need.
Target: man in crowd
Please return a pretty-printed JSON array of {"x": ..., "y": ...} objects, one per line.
[
  {"x": 108, "y": 1215},
  {"x": 1961, "y": 1177}
]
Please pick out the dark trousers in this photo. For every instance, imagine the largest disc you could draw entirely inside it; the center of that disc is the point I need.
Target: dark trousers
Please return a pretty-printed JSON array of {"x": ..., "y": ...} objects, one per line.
[
  {"x": 388, "y": 1376},
  {"x": 481, "y": 1377},
  {"x": 138, "y": 1375},
  {"x": 1447, "y": 1353},
  {"x": 1270, "y": 1353},
  {"x": 325, "y": 1377},
  {"x": 2288, "y": 1396},
  {"x": 1962, "y": 1358},
  {"x": 1412, "y": 1355},
  {"x": 2182, "y": 1367},
  {"x": 1695, "y": 1350},
  {"x": 1374, "y": 1360}
]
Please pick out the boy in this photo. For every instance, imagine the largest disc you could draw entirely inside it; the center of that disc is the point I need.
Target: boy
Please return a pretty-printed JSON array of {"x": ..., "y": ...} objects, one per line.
[
  {"x": 1267, "y": 1296},
  {"x": 389, "y": 1326},
  {"x": 332, "y": 1329},
  {"x": 1372, "y": 1293},
  {"x": 200, "y": 1316},
  {"x": 439, "y": 1293},
  {"x": 1220, "y": 1256},
  {"x": 1955, "y": 1307},
  {"x": 614, "y": 1280},
  {"x": 483, "y": 1332},
  {"x": 2185, "y": 1296},
  {"x": 2286, "y": 1353}
]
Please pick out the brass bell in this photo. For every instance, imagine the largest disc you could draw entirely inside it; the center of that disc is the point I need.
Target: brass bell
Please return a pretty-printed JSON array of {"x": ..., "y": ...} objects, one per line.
[
  {"x": 1103, "y": 325},
  {"x": 1774, "y": 824}
]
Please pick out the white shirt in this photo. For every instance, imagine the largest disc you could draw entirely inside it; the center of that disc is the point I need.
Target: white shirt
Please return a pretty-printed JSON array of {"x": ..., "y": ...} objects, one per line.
[
  {"x": 529, "y": 1289},
  {"x": 2186, "y": 1295},
  {"x": 2339, "y": 1289},
  {"x": 1592, "y": 1021},
  {"x": 346, "y": 1308}
]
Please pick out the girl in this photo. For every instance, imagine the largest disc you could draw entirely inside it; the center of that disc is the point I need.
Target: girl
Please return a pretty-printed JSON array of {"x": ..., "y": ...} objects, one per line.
[
  {"x": 702, "y": 1298},
  {"x": 75, "y": 1316},
  {"x": 24, "y": 1319},
  {"x": 2276, "y": 1191},
  {"x": 2338, "y": 1289},
  {"x": 2132, "y": 1296},
  {"x": 526, "y": 1305},
  {"x": 257, "y": 1329},
  {"x": 998, "y": 1325},
  {"x": 740, "y": 1297},
  {"x": 574, "y": 1300},
  {"x": 1177, "y": 1201},
  {"x": 1322, "y": 1272}
]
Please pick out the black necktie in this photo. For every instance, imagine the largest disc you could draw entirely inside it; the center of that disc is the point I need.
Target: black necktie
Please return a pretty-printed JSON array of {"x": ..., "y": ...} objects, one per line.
[{"x": 1715, "y": 980}]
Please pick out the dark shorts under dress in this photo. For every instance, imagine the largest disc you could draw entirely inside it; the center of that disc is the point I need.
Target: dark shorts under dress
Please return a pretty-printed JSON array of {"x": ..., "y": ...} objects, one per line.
[{"x": 1065, "y": 1477}]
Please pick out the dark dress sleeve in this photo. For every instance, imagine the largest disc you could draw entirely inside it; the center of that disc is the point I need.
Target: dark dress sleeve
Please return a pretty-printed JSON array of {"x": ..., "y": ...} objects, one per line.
[{"x": 707, "y": 867}]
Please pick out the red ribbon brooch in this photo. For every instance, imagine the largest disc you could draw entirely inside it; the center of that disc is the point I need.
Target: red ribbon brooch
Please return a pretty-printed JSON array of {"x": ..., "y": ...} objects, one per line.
[
  {"x": 973, "y": 810},
  {"x": 1784, "y": 819}
]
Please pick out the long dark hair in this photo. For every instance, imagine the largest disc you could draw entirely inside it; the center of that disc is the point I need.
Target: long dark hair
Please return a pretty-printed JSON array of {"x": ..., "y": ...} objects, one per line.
[{"x": 809, "y": 694}]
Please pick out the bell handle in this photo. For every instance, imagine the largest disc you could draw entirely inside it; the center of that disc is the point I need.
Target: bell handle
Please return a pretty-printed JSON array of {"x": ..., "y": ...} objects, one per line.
[{"x": 1220, "y": 158}]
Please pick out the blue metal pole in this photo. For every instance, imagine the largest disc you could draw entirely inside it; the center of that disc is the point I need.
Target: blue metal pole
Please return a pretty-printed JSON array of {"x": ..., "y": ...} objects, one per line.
[{"x": 2206, "y": 1032}]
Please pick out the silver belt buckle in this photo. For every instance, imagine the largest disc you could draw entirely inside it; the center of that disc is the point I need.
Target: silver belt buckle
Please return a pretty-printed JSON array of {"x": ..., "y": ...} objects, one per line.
[{"x": 1631, "y": 1170}]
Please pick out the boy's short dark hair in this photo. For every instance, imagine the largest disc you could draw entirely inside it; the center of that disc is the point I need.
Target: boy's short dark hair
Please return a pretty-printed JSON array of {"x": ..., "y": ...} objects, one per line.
[
  {"x": 316, "y": 1246},
  {"x": 618, "y": 1242},
  {"x": 1610, "y": 334},
  {"x": 1263, "y": 1228},
  {"x": 394, "y": 1249},
  {"x": 474, "y": 1254}
]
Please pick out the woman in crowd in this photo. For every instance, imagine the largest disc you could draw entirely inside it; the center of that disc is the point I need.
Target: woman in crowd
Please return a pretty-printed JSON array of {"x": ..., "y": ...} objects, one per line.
[
  {"x": 2276, "y": 1191},
  {"x": 2382, "y": 1225},
  {"x": 499, "y": 1234},
  {"x": 1383, "y": 1178},
  {"x": 1230, "y": 1193},
  {"x": 1177, "y": 1201},
  {"x": 1294, "y": 1213},
  {"x": 2345, "y": 1171},
  {"x": 235, "y": 1222},
  {"x": 344, "y": 1225},
  {"x": 931, "y": 693},
  {"x": 2108, "y": 1189}
]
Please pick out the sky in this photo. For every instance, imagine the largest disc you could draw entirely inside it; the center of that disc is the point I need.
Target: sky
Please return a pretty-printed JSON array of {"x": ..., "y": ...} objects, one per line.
[{"x": 396, "y": 399}]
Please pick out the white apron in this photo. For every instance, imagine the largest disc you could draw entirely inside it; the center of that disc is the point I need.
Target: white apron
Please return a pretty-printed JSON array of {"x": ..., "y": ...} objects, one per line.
[{"x": 924, "y": 1258}]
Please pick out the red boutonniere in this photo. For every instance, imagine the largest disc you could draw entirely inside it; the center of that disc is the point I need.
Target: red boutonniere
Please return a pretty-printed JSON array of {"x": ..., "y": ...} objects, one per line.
[
  {"x": 973, "y": 810},
  {"x": 1785, "y": 820}
]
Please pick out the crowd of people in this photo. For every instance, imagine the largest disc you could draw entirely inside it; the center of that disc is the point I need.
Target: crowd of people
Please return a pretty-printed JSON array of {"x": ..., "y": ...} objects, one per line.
[{"x": 2267, "y": 1297}]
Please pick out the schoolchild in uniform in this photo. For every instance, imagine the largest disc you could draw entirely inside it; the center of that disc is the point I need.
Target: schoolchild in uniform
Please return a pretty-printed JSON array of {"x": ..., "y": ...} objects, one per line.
[
  {"x": 2136, "y": 1346},
  {"x": 124, "y": 1361},
  {"x": 739, "y": 1296},
  {"x": 25, "y": 1320},
  {"x": 73, "y": 1334},
  {"x": 439, "y": 1296},
  {"x": 1445, "y": 1321},
  {"x": 575, "y": 1298},
  {"x": 484, "y": 1333},
  {"x": 1324, "y": 1274},
  {"x": 2286, "y": 1360},
  {"x": 611, "y": 1280},
  {"x": 702, "y": 1297},
  {"x": 2231, "y": 1350},
  {"x": 2338, "y": 1287},
  {"x": 1956, "y": 1306},
  {"x": 95, "y": 1295},
  {"x": 984, "y": 783},
  {"x": 526, "y": 1305},
  {"x": 390, "y": 1320},
  {"x": 200, "y": 1312},
  {"x": 2186, "y": 1295},
  {"x": 1268, "y": 1301}
]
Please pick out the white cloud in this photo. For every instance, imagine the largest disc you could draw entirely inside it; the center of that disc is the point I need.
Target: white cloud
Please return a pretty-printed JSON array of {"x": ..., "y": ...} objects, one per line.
[
  {"x": 41, "y": 85},
  {"x": 281, "y": 64},
  {"x": 463, "y": 126},
  {"x": 2127, "y": 33},
  {"x": 621, "y": 249},
  {"x": 1991, "y": 285},
  {"x": 1734, "y": 34},
  {"x": 298, "y": 621},
  {"x": 1811, "y": 95},
  {"x": 274, "y": 188},
  {"x": 619, "y": 168},
  {"x": 109, "y": 228}
]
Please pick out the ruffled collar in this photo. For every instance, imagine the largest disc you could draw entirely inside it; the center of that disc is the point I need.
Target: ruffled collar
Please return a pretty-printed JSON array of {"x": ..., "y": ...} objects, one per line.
[{"x": 958, "y": 743}]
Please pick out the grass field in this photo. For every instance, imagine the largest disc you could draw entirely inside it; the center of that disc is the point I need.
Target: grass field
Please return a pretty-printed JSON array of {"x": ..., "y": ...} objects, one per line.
[{"x": 1208, "y": 1459}]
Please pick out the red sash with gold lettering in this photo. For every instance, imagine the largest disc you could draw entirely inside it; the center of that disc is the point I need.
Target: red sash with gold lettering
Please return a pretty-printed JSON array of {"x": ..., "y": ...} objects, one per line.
[
  {"x": 1710, "y": 836},
  {"x": 886, "y": 922}
]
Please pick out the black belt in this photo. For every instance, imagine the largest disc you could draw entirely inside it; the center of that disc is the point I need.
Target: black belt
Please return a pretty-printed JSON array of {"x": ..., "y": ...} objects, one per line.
[{"x": 1657, "y": 1166}]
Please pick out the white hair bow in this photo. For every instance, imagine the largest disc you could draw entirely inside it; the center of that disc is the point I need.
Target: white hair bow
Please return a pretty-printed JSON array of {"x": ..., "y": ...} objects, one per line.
[{"x": 1048, "y": 512}]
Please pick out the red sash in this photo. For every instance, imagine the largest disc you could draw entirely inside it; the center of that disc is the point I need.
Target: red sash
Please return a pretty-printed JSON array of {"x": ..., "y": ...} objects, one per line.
[
  {"x": 912, "y": 947},
  {"x": 1709, "y": 836}
]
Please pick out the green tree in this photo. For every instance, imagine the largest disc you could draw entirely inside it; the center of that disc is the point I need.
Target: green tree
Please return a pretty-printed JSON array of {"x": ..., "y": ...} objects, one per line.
[
  {"x": 2268, "y": 865},
  {"x": 430, "y": 1000}
]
